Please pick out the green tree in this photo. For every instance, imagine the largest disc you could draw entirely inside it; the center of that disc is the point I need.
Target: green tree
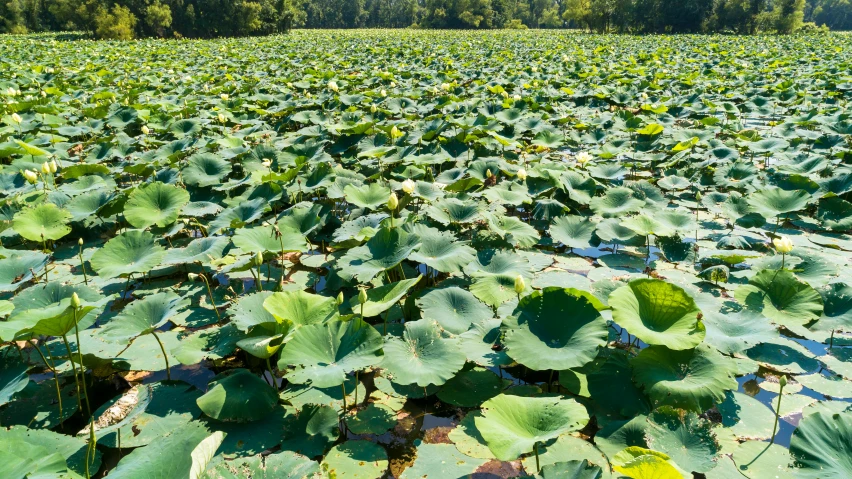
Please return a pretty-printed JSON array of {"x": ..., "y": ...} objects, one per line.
[
  {"x": 158, "y": 17},
  {"x": 118, "y": 23}
]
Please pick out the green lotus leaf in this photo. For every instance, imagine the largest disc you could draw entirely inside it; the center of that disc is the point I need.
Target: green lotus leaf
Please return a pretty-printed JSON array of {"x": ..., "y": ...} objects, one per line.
[
  {"x": 436, "y": 461},
  {"x": 205, "y": 169},
  {"x": 571, "y": 470},
  {"x": 311, "y": 430},
  {"x": 772, "y": 202},
  {"x": 516, "y": 232},
  {"x": 782, "y": 298},
  {"x": 616, "y": 202},
  {"x": 639, "y": 463},
  {"x": 373, "y": 419},
  {"x": 263, "y": 239},
  {"x": 13, "y": 379},
  {"x": 567, "y": 446},
  {"x": 372, "y": 196},
  {"x": 471, "y": 387},
  {"x": 383, "y": 298},
  {"x": 758, "y": 459},
  {"x": 18, "y": 268},
  {"x": 674, "y": 183},
  {"x": 279, "y": 465},
  {"x": 513, "y": 425},
  {"x": 658, "y": 313},
  {"x": 199, "y": 250},
  {"x": 453, "y": 308},
  {"x": 174, "y": 455},
  {"x": 143, "y": 316},
  {"x": 443, "y": 253},
  {"x": 43, "y": 453},
  {"x": 238, "y": 216},
  {"x": 128, "y": 253},
  {"x": 328, "y": 351},
  {"x": 745, "y": 416},
  {"x": 386, "y": 249},
  {"x": 45, "y": 222},
  {"x": 155, "y": 204},
  {"x": 687, "y": 439},
  {"x": 421, "y": 356},
  {"x": 692, "y": 379},
  {"x": 46, "y": 310},
  {"x": 238, "y": 395},
  {"x": 573, "y": 231},
  {"x": 555, "y": 329},
  {"x": 480, "y": 344},
  {"x": 733, "y": 333},
  {"x": 835, "y": 214},
  {"x": 615, "y": 436},
  {"x": 249, "y": 311},
  {"x": 837, "y": 308},
  {"x": 301, "y": 308},
  {"x": 88, "y": 204},
  {"x": 356, "y": 460},
  {"x": 612, "y": 389}
]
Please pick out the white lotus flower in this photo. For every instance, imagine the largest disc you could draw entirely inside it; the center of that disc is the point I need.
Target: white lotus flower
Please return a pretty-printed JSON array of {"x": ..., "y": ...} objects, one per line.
[
  {"x": 783, "y": 244},
  {"x": 408, "y": 186}
]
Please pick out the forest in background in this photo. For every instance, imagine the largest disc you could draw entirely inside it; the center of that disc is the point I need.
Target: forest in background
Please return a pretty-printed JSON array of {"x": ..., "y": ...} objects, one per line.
[{"x": 126, "y": 19}]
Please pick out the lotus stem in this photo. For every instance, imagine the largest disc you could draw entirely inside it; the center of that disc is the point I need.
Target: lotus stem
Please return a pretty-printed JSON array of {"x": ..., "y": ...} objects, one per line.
[
  {"x": 210, "y": 293},
  {"x": 777, "y": 410},
  {"x": 165, "y": 356},
  {"x": 356, "y": 389},
  {"x": 535, "y": 450},
  {"x": 272, "y": 375},
  {"x": 831, "y": 341},
  {"x": 343, "y": 388},
  {"x": 74, "y": 367},
  {"x": 80, "y": 355},
  {"x": 55, "y": 376},
  {"x": 83, "y": 266}
]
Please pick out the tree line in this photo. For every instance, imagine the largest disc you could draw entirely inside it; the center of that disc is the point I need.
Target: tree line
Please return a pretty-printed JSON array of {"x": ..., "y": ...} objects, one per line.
[{"x": 125, "y": 19}]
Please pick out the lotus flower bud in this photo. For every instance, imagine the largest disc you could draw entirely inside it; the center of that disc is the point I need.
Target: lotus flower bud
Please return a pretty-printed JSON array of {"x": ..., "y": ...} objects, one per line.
[
  {"x": 258, "y": 259},
  {"x": 488, "y": 173},
  {"x": 75, "y": 301},
  {"x": 782, "y": 381},
  {"x": 145, "y": 129},
  {"x": 80, "y": 241},
  {"x": 520, "y": 284},
  {"x": 522, "y": 174},
  {"x": 698, "y": 196},
  {"x": 332, "y": 85},
  {"x": 221, "y": 118},
  {"x": 16, "y": 118},
  {"x": 505, "y": 94},
  {"x": 408, "y": 186},
  {"x": 383, "y": 93},
  {"x": 224, "y": 97},
  {"x": 53, "y": 166},
  {"x": 445, "y": 86},
  {"x": 31, "y": 176},
  {"x": 395, "y": 133},
  {"x": 783, "y": 245},
  {"x": 393, "y": 84},
  {"x": 373, "y": 109},
  {"x": 45, "y": 168},
  {"x": 362, "y": 296},
  {"x": 340, "y": 298},
  {"x": 192, "y": 277},
  {"x": 517, "y": 97},
  {"x": 393, "y": 202}
]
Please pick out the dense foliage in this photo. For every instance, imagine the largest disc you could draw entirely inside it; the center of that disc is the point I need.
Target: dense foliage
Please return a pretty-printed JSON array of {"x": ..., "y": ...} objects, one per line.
[
  {"x": 124, "y": 19},
  {"x": 409, "y": 254}
]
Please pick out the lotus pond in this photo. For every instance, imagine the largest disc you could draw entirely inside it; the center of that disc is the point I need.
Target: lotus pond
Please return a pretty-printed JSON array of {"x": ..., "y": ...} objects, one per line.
[{"x": 407, "y": 254}]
